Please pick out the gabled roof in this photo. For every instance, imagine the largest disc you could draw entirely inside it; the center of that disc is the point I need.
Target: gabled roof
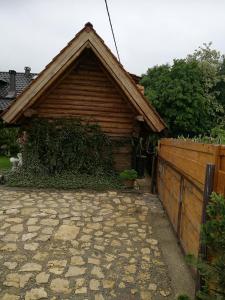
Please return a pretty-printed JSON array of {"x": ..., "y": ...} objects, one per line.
[
  {"x": 86, "y": 38},
  {"x": 22, "y": 81}
]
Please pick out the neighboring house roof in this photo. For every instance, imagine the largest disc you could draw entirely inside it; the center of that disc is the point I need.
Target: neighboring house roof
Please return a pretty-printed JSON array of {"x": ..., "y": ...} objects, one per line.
[
  {"x": 86, "y": 38},
  {"x": 22, "y": 80}
]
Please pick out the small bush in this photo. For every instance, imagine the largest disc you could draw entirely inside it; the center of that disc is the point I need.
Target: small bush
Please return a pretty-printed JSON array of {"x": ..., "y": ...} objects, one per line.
[
  {"x": 8, "y": 140},
  {"x": 212, "y": 270},
  {"x": 65, "y": 180},
  {"x": 128, "y": 175},
  {"x": 55, "y": 146},
  {"x": 183, "y": 297}
]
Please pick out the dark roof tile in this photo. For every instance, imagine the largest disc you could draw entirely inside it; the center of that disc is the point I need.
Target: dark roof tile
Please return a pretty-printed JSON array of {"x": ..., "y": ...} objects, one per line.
[{"x": 22, "y": 81}]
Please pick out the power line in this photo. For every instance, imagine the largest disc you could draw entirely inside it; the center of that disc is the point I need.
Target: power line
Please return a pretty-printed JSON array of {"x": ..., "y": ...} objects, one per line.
[{"x": 112, "y": 29}]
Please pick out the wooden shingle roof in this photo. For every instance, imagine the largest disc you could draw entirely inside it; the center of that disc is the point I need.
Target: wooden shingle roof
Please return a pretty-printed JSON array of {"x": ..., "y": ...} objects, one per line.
[{"x": 86, "y": 38}]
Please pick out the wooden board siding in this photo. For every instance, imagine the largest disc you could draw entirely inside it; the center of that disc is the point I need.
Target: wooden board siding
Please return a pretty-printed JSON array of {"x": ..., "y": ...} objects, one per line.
[
  {"x": 87, "y": 92},
  {"x": 180, "y": 181}
]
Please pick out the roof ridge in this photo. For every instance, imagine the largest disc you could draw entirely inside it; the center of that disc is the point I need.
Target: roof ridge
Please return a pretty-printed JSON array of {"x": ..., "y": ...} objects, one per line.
[{"x": 7, "y": 72}]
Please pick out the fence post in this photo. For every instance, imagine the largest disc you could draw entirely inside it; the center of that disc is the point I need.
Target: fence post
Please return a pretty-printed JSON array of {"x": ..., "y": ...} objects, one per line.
[
  {"x": 180, "y": 206},
  {"x": 153, "y": 174},
  {"x": 208, "y": 189}
]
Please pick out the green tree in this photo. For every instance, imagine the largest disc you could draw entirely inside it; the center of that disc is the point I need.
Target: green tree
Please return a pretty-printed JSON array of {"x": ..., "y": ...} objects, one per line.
[
  {"x": 189, "y": 94},
  {"x": 8, "y": 140},
  {"x": 177, "y": 93},
  {"x": 211, "y": 63}
]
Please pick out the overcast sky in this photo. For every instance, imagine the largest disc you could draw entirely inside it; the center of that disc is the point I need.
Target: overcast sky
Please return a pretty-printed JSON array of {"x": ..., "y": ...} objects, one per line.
[{"x": 148, "y": 32}]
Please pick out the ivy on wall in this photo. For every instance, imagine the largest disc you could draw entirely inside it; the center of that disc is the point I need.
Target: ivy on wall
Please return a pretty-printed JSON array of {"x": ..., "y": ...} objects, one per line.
[{"x": 55, "y": 146}]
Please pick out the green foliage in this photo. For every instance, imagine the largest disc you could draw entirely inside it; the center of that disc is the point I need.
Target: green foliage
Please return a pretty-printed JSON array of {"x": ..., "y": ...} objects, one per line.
[
  {"x": 66, "y": 145},
  {"x": 128, "y": 174},
  {"x": 216, "y": 136},
  {"x": 183, "y": 297},
  {"x": 8, "y": 140},
  {"x": 4, "y": 163},
  {"x": 213, "y": 236},
  {"x": 65, "y": 154},
  {"x": 64, "y": 180},
  {"x": 188, "y": 93}
]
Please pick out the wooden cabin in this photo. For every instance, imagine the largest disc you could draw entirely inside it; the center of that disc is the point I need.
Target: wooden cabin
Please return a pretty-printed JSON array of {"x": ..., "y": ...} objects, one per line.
[{"x": 86, "y": 80}]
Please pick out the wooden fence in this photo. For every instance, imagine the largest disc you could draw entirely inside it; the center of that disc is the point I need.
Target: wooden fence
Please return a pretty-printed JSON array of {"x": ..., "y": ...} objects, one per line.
[{"x": 180, "y": 182}]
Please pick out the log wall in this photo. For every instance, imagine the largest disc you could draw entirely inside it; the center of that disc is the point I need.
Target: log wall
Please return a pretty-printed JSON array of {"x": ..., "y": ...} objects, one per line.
[
  {"x": 180, "y": 181},
  {"x": 88, "y": 92}
]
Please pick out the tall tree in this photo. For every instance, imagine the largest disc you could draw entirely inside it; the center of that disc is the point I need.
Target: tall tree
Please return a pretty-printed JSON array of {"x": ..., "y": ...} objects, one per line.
[{"x": 186, "y": 94}]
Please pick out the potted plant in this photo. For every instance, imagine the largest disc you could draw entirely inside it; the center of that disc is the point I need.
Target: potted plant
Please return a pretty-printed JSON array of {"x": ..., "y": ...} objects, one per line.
[{"x": 128, "y": 177}]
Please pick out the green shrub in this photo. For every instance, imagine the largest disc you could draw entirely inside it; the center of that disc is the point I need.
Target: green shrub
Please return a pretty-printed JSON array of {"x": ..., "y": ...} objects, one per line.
[
  {"x": 55, "y": 146},
  {"x": 128, "y": 175},
  {"x": 183, "y": 297},
  {"x": 212, "y": 271},
  {"x": 64, "y": 180},
  {"x": 216, "y": 136},
  {"x": 65, "y": 154},
  {"x": 8, "y": 140}
]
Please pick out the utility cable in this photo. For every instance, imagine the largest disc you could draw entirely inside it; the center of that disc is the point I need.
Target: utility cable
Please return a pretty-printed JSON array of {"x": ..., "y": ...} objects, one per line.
[{"x": 107, "y": 8}]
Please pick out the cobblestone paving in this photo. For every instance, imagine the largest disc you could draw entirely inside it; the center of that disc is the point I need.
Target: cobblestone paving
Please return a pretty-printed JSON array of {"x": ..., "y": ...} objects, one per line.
[{"x": 79, "y": 245}]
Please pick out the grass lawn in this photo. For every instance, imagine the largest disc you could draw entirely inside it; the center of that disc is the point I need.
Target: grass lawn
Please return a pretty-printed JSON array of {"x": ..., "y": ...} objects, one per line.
[{"x": 4, "y": 163}]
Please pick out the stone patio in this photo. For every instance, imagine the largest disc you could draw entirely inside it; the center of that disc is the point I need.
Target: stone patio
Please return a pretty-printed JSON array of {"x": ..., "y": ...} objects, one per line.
[{"x": 81, "y": 245}]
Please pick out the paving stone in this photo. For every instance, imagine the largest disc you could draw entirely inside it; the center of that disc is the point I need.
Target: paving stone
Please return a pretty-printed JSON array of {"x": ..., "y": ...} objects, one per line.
[
  {"x": 35, "y": 294},
  {"x": 33, "y": 228},
  {"x": 14, "y": 220},
  {"x": 31, "y": 267},
  {"x": 49, "y": 222},
  {"x": 47, "y": 230},
  {"x": 67, "y": 232},
  {"x": 145, "y": 295},
  {"x": 11, "y": 237},
  {"x": 59, "y": 285},
  {"x": 57, "y": 266},
  {"x": 43, "y": 237},
  {"x": 77, "y": 260},
  {"x": 28, "y": 236},
  {"x": 108, "y": 284},
  {"x": 32, "y": 221},
  {"x": 42, "y": 278},
  {"x": 100, "y": 248},
  {"x": 10, "y": 265},
  {"x": 131, "y": 269},
  {"x": 27, "y": 211},
  {"x": 12, "y": 211},
  {"x": 97, "y": 271},
  {"x": 122, "y": 285},
  {"x": 31, "y": 246},
  {"x": 10, "y": 297},
  {"x": 99, "y": 297},
  {"x": 93, "y": 261},
  {"x": 152, "y": 287},
  {"x": 40, "y": 256},
  {"x": 164, "y": 293},
  {"x": 81, "y": 244},
  {"x": 17, "y": 228},
  {"x": 17, "y": 280},
  {"x": 75, "y": 271},
  {"x": 82, "y": 290},
  {"x": 94, "y": 284}
]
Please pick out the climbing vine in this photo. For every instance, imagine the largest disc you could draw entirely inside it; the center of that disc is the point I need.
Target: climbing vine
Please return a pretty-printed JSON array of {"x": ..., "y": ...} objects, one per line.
[
  {"x": 213, "y": 237},
  {"x": 55, "y": 146}
]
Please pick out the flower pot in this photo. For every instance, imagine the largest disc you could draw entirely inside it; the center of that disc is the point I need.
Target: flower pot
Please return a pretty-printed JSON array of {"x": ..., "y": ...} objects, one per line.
[
  {"x": 140, "y": 165},
  {"x": 128, "y": 183}
]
